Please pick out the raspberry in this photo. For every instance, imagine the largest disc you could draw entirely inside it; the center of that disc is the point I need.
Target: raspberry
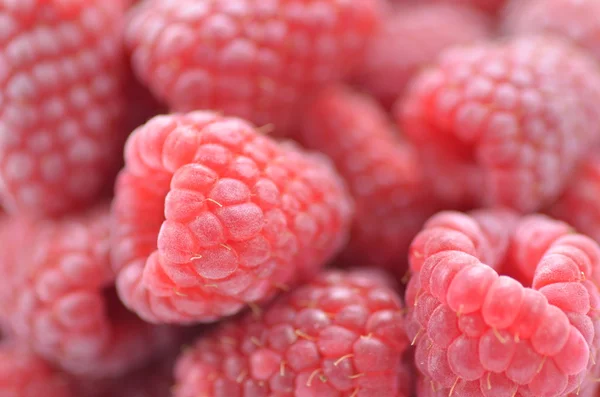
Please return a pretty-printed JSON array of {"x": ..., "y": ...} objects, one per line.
[
  {"x": 579, "y": 204},
  {"x": 58, "y": 296},
  {"x": 478, "y": 333},
  {"x": 383, "y": 174},
  {"x": 23, "y": 374},
  {"x": 339, "y": 335},
  {"x": 412, "y": 37},
  {"x": 254, "y": 59},
  {"x": 210, "y": 215},
  {"x": 504, "y": 124},
  {"x": 62, "y": 68},
  {"x": 490, "y": 6},
  {"x": 578, "y": 20}
]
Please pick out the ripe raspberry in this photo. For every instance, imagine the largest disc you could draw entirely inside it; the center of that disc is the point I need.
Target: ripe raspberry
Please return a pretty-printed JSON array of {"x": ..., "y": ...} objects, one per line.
[
  {"x": 412, "y": 37},
  {"x": 504, "y": 124},
  {"x": 254, "y": 59},
  {"x": 490, "y": 6},
  {"x": 210, "y": 215},
  {"x": 579, "y": 205},
  {"x": 578, "y": 20},
  {"x": 383, "y": 174},
  {"x": 340, "y": 335},
  {"x": 62, "y": 68},
  {"x": 478, "y": 333},
  {"x": 58, "y": 296},
  {"x": 23, "y": 374}
]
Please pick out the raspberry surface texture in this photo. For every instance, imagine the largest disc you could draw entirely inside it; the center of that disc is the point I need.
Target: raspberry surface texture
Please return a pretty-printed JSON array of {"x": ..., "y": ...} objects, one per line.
[
  {"x": 577, "y": 20},
  {"x": 58, "y": 297},
  {"x": 383, "y": 173},
  {"x": 253, "y": 59},
  {"x": 24, "y": 374},
  {"x": 411, "y": 37},
  {"x": 340, "y": 335},
  {"x": 210, "y": 215},
  {"x": 506, "y": 123},
  {"x": 479, "y": 332},
  {"x": 62, "y": 102}
]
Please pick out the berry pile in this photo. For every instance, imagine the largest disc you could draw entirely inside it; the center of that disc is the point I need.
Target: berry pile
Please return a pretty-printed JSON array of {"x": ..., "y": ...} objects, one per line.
[{"x": 299, "y": 198}]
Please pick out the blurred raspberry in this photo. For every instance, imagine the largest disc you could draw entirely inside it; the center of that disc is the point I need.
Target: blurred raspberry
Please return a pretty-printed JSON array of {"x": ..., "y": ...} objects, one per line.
[
  {"x": 23, "y": 374},
  {"x": 504, "y": 124},
  {"x": 63, "y": 102},
  {"x": 478, "y": 333},
  {"x": 384, "y": 175},
  {"x": 254, "y": 59},
  {"x": 411, "y": 38},
  {"x": 577, "y": 20},
  {"x": 210, "y": 215},
  {"x": 340, "y": 335},
  {"x": 490, "y": 6},
  {"x": 57, "y": 294}
]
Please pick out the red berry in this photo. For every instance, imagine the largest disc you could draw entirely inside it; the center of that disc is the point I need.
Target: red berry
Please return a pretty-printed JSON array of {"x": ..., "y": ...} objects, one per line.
[
  {"x": 254, "y": 59},
  {"x": 412, "y": 37},
  {"x": 62, "y": 69},
  {"x": 577, "y": 20},
  {"x": 340, "y": 335},
  {"x": 384, "y": 175},
  {"x": 490, "y": 6},
  {"x": 23, "y": 374},
  {"x": 210, "y": 215},
  {"x": 58, "y": 296},
  {"x": 480, "y": 333},
  {"x": 504, "y": 124}
]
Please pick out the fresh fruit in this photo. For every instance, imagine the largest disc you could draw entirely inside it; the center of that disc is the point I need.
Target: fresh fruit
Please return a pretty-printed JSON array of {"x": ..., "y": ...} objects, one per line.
[
  {"x": 209, "y": 216},
  {"x": 504, "y": 124},
  {"x": 340, "y": 335}
]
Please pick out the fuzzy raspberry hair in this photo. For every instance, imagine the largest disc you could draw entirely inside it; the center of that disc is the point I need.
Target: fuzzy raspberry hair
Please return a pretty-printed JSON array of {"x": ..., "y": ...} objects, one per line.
[
  {"x": 479, "y": 332},
  {"x": 63, "y": 102},
  {"x": 339, "y": 335},
  {"x": 210, "y": 215}
]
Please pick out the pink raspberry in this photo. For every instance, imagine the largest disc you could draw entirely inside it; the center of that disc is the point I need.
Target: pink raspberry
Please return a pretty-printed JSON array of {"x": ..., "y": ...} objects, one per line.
[
  {"x": 578, "y": 20},
  {"x": 254, "y": 59},
  {"x": 58, "y": 296},
  {"x": 340, "y": 335},
  {"x": 383, "y": 174},
  {"x": 504, "y": 124},
  {"x": 23, "y": 374},
  {"x": 579, "y": 204},
  {"x": 412, "y": 36},
  {"x": 479, "y": 333},
  {"x": 61, "y": 112},
  {"x": 210, "y": 215}
]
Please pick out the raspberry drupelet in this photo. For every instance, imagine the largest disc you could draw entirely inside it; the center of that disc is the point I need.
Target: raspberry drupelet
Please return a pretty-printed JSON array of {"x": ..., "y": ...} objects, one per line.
[
  {"x": 480, "y": 333},
  {"x": 506, "y": 123},
  {"x": 255, "y": 59},
  {"x": 58, "y": 297},
  {"x": 210, "y": 215},
  {"x": 577, "y": 20},
  {"x": 23, "y": 374},
  {"x": 62, "y": 69},
  {"x": 339, "y": 335},
  {"x": 411, "y": 37},
  {"x": 383, "y": 174}
]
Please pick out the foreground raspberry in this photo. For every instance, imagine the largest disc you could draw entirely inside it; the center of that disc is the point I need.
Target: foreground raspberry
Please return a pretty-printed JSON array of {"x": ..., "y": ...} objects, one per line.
[
  {"x": 411, "y": 38},
  {"x": 210, "y": 215},
  {"x": 340, "y": 335},
  {"x": 58, "y": 296},
  {"x": 579, "y": 204},
  {"x": 23, "y": 374},
  {"x": 504, "y": 124},
  {"x": 478, "y": 333},
  {"x": 578, "y": 20},
  {"x": 254, "y": 59},
  {"x": 383, "y": 174},
  {"x": 61, "y": 108}
]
